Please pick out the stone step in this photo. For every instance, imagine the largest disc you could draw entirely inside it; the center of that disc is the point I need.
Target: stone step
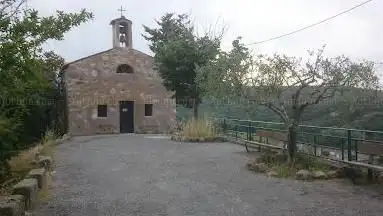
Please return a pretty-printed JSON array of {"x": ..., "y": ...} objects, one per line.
[
  {"x": 29, "y": 189},
  {"x": 13, "y": 205},
  {"x": 40, "y": 175}
]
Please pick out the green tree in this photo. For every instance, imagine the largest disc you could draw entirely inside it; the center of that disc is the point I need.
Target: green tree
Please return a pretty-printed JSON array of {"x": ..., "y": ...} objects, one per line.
[
  {"x": 177, "y": 52},
  {"x": 285, "y": 85},
  {"x": 28, "y": 74}
]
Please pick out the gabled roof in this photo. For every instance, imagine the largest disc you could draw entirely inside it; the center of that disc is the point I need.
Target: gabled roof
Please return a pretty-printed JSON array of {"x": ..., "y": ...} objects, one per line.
[
  {"x": 143, "y": 53},
  {"x": 65, "y": 66}
]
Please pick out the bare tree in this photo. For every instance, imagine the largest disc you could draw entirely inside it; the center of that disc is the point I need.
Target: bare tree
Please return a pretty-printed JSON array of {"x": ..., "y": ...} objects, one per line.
[
  {"x": 308, "y": 83},
  {"x": 286, "y": 85}
]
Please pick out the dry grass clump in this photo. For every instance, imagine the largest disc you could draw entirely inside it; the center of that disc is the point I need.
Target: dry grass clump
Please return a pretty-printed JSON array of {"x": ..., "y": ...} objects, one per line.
[
  {"x": 26, "y": 160},
  {"x": 23, "y": 162},
  {"x": 48, "y": 143},
  {"x": 198, "y": 129}
]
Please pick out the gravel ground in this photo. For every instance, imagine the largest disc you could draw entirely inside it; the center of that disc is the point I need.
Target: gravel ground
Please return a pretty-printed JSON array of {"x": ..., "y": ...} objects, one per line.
[{"x": 150, "y": 175}]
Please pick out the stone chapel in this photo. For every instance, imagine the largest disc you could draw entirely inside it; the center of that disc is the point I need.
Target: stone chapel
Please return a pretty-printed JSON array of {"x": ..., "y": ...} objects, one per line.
[{"x": 117, "y": 90}]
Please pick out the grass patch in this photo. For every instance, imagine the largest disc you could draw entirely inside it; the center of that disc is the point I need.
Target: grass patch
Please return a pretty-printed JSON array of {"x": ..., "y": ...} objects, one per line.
[
  {"x": 48, "y": 149},
  {"x": 283, "y": 170},
  {"x": 277, "y": 163},
  {"x": 48, "y": 144},
  {"x": 311, "y": 163},
  {"x": 21, "y": 164},
  {"x": 198, "y": 129},
  {"x": 306, "y": 167}
]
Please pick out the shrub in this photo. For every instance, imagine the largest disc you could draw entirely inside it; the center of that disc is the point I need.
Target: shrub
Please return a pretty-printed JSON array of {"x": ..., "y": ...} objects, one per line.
[{"x": 198, "y": 128}]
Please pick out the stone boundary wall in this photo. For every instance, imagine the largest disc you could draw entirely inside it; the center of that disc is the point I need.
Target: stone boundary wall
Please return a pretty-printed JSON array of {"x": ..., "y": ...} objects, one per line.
[{"x": 24, "y": 198}]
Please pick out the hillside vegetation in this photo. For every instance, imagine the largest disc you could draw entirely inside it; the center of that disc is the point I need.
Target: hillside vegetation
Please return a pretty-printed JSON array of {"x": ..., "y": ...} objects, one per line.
[
  {"x": 354, "y": 108},
  {"x": 31, "y": 89}
]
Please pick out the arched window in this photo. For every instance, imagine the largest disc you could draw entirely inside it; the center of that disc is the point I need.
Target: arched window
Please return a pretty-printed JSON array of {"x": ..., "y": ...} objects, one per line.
[{"x": 124, "y": 68}]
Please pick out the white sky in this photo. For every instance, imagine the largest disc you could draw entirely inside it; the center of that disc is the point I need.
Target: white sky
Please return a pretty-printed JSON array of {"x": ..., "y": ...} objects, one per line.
[{"x": 358, "y": 34}]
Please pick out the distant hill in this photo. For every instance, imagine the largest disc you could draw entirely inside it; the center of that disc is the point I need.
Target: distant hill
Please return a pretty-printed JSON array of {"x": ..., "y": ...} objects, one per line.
[{"x": 352, "y": 108}]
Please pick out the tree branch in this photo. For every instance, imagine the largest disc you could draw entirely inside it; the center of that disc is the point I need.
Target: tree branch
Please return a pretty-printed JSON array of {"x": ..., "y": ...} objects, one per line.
[
  {"x": 280, "y": 112},
  {"x": 320, "y": 97},
  {"x": 304, "y": 83},
  {"x": 14, "y": 11}
]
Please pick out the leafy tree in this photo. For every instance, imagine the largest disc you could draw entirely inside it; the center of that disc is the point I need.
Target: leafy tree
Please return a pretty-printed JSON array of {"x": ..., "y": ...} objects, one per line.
[
  {"x": 177, "y": 52},
  {"x": 285, "y": 85},
  {"x": 28, "y": 75}
]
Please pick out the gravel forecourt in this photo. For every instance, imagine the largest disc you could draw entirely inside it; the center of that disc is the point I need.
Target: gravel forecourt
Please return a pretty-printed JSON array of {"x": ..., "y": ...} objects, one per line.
[{"x": 151, "y": 175}]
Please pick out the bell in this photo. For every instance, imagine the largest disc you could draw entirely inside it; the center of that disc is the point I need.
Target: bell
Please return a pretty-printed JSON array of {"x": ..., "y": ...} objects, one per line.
[
  {"x": 122, "y": 39},
  {"x": 123, "y": 29}
]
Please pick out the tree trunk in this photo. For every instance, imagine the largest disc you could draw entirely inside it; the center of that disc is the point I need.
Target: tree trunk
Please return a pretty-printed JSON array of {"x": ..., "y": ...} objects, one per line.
[
  {"x": 195, "y": 108},
  {"x": 292, "y": 142}
]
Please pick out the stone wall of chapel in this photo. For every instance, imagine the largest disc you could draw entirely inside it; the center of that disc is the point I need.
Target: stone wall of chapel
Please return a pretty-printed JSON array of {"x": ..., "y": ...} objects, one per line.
[{"x": 93, "y": 81}]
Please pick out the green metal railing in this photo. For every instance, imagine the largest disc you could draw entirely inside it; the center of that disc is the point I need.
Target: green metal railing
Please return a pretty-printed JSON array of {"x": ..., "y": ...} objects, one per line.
[{"x": 348, "y": 144}]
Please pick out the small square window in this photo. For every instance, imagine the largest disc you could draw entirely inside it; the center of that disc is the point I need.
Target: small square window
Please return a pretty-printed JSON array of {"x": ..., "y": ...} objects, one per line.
[
  {"x": 148, "y": 109},
  {"x": 102, "y": 110}
]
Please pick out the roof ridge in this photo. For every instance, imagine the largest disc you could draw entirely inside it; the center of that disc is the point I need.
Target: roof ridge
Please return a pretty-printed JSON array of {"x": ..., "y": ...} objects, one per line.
[{"x": 66, "y": 65}]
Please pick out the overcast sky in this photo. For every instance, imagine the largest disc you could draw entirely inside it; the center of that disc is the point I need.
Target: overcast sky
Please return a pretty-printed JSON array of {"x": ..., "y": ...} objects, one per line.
[{"x": 358, "y": 34}]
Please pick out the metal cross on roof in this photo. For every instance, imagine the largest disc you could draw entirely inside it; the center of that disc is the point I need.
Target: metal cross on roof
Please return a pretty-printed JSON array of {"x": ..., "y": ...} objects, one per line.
[{"x": 121, "y": 10}]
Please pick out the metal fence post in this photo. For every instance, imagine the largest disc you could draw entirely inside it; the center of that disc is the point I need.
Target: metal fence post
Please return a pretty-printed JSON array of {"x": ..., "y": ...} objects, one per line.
[
  {"x": 224, "y": 126},
  {"x": 236, "y": 132},
  {"x": 349, "y": 155},
  {"x": 342, "y": 148},
  {"x": 250, "y": 132},
  {"x": 315, "y": 145},
  {"x": 356, "y": 150}
]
